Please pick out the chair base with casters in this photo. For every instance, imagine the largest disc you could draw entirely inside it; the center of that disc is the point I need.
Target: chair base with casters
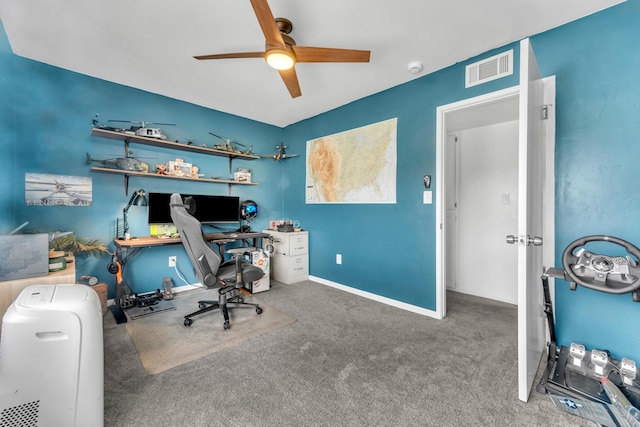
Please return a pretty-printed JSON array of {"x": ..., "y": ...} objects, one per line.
[{"x": 232, "y": 277}]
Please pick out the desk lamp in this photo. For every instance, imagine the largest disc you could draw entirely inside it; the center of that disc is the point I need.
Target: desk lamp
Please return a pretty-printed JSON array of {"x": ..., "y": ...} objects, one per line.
[{"x": 139, "y": 198}]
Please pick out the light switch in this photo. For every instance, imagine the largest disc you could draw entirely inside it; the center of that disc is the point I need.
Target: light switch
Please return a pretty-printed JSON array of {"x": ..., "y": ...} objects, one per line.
[{"x": 427, "y": 198}]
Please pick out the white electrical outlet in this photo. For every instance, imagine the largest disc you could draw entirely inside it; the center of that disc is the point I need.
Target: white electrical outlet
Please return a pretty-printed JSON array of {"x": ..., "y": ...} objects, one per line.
[
  {"x": 338, "y": 258},
  {"x": 172, "y": 261}
]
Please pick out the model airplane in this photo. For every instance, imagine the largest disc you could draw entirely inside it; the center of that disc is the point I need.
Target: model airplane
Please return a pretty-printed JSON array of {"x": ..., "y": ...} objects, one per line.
[
  {"x": 124, "y": 163},
  {"x": 229, "y": 145},
  {"x": 279, "y": 155}
]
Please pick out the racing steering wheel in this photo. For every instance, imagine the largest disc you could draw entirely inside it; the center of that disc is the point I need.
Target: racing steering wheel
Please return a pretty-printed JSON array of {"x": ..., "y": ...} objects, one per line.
[{"x": 613, "y": 275}]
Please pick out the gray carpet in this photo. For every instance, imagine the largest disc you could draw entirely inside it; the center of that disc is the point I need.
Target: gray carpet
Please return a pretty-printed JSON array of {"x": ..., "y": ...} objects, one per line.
[
  {"x": 347, "y": 361},
  {"x": 163, "y": 342}
]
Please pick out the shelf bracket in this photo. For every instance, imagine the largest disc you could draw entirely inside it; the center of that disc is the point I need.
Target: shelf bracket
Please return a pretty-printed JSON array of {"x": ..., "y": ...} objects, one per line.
[{"x": 126, "y": 156}]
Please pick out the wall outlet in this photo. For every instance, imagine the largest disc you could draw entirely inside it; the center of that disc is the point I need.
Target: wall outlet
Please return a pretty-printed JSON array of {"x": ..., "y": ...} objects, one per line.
[
  {"x": 338, "y": 258},
  {"x": 172, "y": 261}
]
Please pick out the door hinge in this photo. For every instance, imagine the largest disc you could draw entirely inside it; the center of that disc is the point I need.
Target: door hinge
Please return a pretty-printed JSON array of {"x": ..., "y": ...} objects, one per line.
[{"x": 545, "y": 112}]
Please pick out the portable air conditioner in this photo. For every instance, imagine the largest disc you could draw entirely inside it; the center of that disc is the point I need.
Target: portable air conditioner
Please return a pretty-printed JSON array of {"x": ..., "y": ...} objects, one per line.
[{"x": 52, "y": 359}]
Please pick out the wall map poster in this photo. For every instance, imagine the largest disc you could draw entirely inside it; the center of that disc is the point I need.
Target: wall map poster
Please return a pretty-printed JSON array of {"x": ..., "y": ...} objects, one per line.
[
  {"x": 57, "y": 190},
  {"x": 354, "y": 166}
]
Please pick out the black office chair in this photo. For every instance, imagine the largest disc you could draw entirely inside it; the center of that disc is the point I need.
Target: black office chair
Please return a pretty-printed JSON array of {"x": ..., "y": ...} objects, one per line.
[{"x": 228, "y": 277}]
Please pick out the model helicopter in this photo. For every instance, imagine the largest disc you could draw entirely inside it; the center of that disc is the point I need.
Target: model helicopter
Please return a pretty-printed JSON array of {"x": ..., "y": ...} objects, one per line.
[
  {"x": 138, "y": 127},
  {"x": 279, "y": 155},
  {"x": 62, "y": 193},
  {"x": 124, "y": 163},
  {"x": 143, "y": 130},
  {"x": 229, "y": 145},
  {"x": 98, "y": 124}
]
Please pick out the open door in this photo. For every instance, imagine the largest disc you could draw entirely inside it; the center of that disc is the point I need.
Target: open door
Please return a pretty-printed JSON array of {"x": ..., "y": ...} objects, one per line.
[
  {"x": 531, "y": 179},
  {"x": 536, "y": 142}
]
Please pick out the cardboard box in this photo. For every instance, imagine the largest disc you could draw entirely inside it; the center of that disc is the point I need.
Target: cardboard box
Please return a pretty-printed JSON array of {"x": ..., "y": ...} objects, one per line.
[
  {"x": 166, "y": 230},
  {"x": 175, "y": 168},
  {"x": 24, "y": 256},
  {"x": 242, "y": 176},
  {"x": 274, "y": 223},
  {"x": 101, "y": 289},
  {"x": 261, "y": 259}
]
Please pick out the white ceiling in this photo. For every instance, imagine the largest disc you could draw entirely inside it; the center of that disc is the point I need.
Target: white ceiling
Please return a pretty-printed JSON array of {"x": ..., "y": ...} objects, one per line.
[{"x": 149, "y": 44}]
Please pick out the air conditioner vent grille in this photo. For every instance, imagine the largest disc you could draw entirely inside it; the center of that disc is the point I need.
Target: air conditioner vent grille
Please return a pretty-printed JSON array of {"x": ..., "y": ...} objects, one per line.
[
  {"x": 21, "y": 416},
  {"x": 488, "y": 69}
]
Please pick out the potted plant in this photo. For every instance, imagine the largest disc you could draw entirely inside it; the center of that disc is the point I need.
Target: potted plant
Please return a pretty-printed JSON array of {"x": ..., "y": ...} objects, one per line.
[{"x": 70, "y": 244}]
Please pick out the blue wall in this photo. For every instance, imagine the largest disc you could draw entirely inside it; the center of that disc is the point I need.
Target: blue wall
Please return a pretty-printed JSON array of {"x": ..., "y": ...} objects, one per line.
[
  {"x": 46, "y": 124},
  {"x": 387, "y": 249},
  {"x": 6, "y": 134},
  {"x": 390, "y": 249},
  {"x": 596, "y": 61}
]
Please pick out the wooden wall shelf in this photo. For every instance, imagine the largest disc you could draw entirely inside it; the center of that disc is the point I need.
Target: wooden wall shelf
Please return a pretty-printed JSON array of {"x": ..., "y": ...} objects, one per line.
[
  {"x": 119, "y": 136},
  {"x": 155, "y": 175},
  {"x": 128, "y": 138}
]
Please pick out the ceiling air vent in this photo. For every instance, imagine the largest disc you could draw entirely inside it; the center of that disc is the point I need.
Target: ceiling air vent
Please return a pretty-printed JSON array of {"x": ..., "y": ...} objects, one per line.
[{"x": 489, "y": 69}]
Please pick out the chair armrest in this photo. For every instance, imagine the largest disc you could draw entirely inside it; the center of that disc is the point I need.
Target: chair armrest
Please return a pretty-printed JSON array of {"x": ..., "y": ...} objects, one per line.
[
  {"x": 210, "y": 279},
  {"x": 239, "y": 251}
]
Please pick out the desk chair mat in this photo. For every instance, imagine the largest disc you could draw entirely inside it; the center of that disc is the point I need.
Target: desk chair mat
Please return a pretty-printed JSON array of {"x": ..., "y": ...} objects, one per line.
[
  {"x": 137, "y": 312},
  {"x": 163, "y": 342}
]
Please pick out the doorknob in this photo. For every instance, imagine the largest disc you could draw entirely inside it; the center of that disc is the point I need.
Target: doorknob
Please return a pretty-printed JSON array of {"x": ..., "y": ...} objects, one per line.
[{"x": 535, "y": 241}]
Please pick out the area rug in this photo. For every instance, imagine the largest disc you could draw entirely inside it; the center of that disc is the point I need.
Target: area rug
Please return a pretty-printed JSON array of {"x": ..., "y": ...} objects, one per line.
[{"x": 163, "y": 342}]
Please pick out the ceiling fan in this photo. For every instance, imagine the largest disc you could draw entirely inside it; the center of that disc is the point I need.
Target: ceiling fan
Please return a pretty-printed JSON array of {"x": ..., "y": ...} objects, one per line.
[{"x": 282, "y": 53}]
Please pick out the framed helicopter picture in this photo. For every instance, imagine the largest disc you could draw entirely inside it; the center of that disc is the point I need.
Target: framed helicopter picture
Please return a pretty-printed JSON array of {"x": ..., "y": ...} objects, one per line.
[{"x": 57, "y": 190}]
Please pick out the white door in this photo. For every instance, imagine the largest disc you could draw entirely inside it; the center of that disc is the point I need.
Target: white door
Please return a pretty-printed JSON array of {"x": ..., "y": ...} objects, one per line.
[
  {"x": 535, "y": 180},
  {"x": 531, "y": 180}
]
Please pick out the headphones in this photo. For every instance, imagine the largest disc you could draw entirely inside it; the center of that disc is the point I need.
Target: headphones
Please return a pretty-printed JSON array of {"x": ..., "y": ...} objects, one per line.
[
  {"x": 113, "y": 265},
  {"x": 248, "y": 210}
]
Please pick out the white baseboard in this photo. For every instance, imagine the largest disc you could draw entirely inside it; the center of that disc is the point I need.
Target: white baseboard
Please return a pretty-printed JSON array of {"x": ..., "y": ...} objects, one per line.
[{"x": 394, "y": 303}]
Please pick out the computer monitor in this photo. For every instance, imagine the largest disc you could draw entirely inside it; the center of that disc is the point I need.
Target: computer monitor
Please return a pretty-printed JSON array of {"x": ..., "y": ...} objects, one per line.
[{"x": 208, "y": 209}]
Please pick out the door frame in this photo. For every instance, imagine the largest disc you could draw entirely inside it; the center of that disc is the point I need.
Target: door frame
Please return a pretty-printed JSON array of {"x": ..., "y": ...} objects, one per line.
[{"x": 549, "y": 184}]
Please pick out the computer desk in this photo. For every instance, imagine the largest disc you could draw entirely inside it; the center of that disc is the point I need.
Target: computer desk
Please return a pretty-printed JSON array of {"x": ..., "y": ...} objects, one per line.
[{"x": 123, "y": 247}]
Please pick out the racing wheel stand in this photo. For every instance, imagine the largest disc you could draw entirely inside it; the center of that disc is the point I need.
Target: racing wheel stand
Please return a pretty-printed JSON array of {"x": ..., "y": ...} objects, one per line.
[{"x": 574, "y": 371}]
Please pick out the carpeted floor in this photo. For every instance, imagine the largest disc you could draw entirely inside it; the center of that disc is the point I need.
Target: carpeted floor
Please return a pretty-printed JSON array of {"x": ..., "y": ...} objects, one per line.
[{"x": 347, "y": 361}]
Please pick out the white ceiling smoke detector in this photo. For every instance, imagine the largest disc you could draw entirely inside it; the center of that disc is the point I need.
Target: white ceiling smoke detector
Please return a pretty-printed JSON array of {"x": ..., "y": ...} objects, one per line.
[{"x": 414, "y": 67}]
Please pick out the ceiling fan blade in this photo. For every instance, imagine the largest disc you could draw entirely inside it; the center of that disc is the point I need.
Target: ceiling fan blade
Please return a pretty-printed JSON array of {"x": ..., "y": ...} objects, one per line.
[
  {"x": 324, "y": 54},
  {"x": 232, "y": 55},
  {"x": 267, "y": 23},
  {"x": 290, "y": 79}
]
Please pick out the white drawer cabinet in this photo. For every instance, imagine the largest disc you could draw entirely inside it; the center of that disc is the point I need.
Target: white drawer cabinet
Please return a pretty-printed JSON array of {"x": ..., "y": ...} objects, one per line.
[{"x": 290, "y": 258}]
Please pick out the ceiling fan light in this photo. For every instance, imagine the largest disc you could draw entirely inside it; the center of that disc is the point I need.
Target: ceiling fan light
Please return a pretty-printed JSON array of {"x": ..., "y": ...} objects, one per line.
[{"x": 280, "y": 59}]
